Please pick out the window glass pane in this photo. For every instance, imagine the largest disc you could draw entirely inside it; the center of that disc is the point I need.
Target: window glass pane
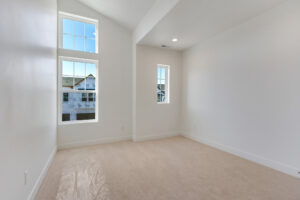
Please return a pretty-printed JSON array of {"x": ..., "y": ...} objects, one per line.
[
  {"x": 90, "y": 30},
  {"x": 80, "y": 83},
  {"x": 76, "y": 109},
  {"x": 163, "y": 73},
  {"x": 163, "y": 81},
  {"x": 91, "y": 69},
  {"x": 79, "y": 28},
  {"x": 158, "y": 73},
  {"x": 67, "y": 68},
  {"x": 159, "y": 92},
  {"x": 79, "y": 43},
  {"x": 158, "y": 97},
  {"x": 90, "y": 45},
  {"x": 78, "y": 36},
  {"x": 67, "y": 83},
  {"x": 79, "y": 69},
  {"x": 68, "y": 42},
  {"x": 81, "y": 77},
  {"x": 68, "y": 26},
  {"x": 163, "y": 96}
]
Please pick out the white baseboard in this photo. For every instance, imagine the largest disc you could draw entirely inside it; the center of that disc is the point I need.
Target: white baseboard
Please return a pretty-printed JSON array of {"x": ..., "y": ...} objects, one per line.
[
  {"x": 293, "y": 171},
  {"x": 42, "y": 175},
  {"x": 155, "y": 136},
  {"x": 94, "y": 142}
]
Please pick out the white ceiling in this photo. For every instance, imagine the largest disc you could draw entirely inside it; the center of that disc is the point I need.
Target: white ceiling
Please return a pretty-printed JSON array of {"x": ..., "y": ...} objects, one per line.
[
  {"x": 192, "y": 21},
  {"x": 126, "y": 12}
]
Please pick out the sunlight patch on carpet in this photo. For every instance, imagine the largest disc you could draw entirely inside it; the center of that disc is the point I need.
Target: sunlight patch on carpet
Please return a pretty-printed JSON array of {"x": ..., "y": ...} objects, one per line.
[{"x": 83, "y": 180}]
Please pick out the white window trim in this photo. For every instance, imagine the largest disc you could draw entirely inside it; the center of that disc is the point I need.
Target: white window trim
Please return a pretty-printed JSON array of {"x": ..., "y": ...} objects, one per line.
[
  {"x": 80, "y": 19},
  {"x": 167, "y": 97},
  {"x": 60, "y": 91}
]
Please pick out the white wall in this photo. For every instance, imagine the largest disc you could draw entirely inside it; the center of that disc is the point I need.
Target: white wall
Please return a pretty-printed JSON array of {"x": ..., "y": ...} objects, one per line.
[
  {"x": 156, "y": 120},
  {"x": 115, "y": 87},
  {"x": 28, "y": 39},
  {"x": 241, "y": 89}
]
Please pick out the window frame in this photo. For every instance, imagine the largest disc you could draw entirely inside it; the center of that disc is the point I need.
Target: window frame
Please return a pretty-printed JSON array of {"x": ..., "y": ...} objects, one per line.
[
  {"x": 79, "y": 19},
  {"x": 167, "y": 85},
  {"x": 61, "y": 91}
]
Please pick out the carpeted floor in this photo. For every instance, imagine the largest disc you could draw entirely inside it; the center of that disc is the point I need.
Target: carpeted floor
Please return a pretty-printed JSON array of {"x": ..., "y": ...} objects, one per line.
[{"x": 170, "y": 169}]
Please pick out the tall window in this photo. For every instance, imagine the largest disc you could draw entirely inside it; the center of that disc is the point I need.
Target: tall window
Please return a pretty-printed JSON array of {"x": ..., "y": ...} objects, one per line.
[
  {"x": 163, "y": 79},
  {"x": 78, "y": 73}
]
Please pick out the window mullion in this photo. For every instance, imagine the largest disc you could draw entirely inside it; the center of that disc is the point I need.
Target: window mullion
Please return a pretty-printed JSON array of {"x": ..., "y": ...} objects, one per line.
[
  {"x": 84, "y": 40},
  {"x": 73, "y": 76},
  {"x": 85, "y": 76},
  {"x": 74, "y": 37}
]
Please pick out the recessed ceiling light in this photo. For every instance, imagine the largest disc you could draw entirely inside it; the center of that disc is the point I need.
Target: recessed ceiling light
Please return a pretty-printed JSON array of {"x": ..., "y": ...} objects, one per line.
[{"x": 175, "y": 40}]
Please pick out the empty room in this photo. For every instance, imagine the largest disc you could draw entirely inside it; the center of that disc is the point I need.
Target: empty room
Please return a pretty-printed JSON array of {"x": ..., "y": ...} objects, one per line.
[{"x": 150, "y": 100}]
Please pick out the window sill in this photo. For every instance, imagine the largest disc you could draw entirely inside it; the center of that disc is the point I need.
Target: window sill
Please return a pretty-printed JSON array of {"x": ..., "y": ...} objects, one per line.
[
  {"x": 77, "y": 122},
  {"x": 163, "y": 103}
]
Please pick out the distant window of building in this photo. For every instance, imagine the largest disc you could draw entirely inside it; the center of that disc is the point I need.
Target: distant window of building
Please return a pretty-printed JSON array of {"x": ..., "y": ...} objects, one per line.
[
  {"x": 91, "y": 97},
  {"x": 83, "y": 97},
  {"x": 85, "y": 116},
  {"x": 163, "y": 84},
  {"x": 66, "y": 97},
  {"x": 78, "y": 33},
  {"x": 66, "y": 117},
  {"x": 78, "y": 89}
]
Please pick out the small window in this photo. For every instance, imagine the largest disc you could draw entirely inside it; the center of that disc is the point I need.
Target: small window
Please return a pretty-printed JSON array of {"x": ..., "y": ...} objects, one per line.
[
  {"x": 78, "y": 33},
  {"x": 77, "y": 83},
  {"x": 163, "y": 77}
]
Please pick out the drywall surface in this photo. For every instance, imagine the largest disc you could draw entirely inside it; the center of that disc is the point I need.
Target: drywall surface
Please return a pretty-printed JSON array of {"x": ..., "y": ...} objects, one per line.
[
  {"x": 157, "y": 12},
  {"x": 28, "y": 38},
  {"x": 115, "y": 84},
  {"x": 156, "y": 120},
  {"x": 241, "y": 89}
]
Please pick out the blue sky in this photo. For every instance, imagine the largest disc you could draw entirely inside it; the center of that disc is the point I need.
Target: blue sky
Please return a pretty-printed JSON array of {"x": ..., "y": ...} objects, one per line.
[
  {"x": 70, "y": 68},
  {"x": 161, "y": 75},
  {"x": 79, "y": 36}
]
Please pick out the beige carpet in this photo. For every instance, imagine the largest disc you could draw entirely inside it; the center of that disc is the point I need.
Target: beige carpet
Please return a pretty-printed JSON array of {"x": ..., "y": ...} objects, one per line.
[{"x": 170, "y": 169}]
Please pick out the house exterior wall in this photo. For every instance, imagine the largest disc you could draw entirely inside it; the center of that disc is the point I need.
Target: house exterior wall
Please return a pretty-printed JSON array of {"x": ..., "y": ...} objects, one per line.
[{"x": 76, "y": 103}]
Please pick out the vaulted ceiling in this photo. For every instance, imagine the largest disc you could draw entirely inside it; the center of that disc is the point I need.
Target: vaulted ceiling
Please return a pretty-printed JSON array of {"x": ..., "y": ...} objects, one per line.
[
  {"x": 126, "y": 12},
  {"x": 191, "y": 21}
]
